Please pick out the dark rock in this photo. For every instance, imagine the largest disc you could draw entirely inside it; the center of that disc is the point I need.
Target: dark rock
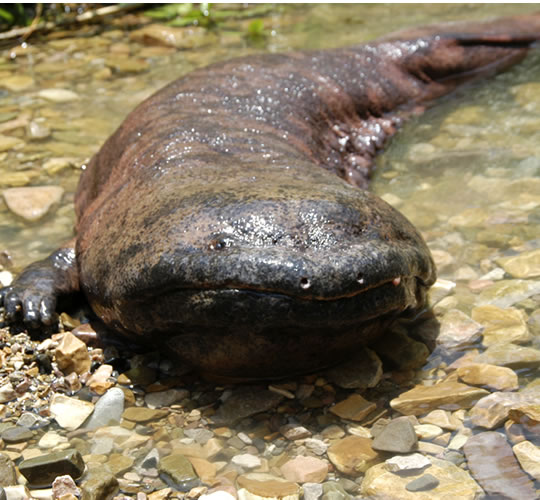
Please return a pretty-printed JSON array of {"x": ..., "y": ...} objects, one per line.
[
  {"x": 17, "y": 434},
  {"x": 425, "y": 482},
  {"x": 8, "y": 476},
  {"x": 43, "y": 470},
  {"x": 99, "y": 485},
  {"x": 3, "y": 495},
  {"x": 361, "y": 372},
  {"x": 244, "y": 403},
  {"x": 493, "y": 464},
  {"x": 398, "y": 437},
  {"x": 177, "y": 471}
]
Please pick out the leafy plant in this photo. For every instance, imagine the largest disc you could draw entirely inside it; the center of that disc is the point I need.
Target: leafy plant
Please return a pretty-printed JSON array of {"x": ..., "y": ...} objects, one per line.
[{"x": 13, "y": 14}]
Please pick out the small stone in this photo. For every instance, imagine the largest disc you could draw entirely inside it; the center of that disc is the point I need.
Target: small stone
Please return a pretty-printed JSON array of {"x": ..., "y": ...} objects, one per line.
[
  {"x": 16, "y": 434},
  {"x": 70, "y": 413},
  {"x": 101, "y": 381},
  {"x": 446, "y": 395},
  {"x": 332, "y": 490},
  {"x": 414, "y": 462},
  {"x": 179, "y": 469},
  {"x": 509, "y": 355},
  {"x": 7, "y": 393},
  {"x": 98, "y": 484},
  {"x": 199, "y": 435},
  {"x": 256, "y": 485},
  {"x": 51, "y": 439},
  {"x": 108, "y": 409},
  {"x": 293, "y": 432},
  {"x": 55, "y": 165},
  {"x": 506, "y": 293},
  {"x": 159, "y": 34},
  {"x": 353, "y": 455},
  {"x": 333, "y": 432},
  {"x": 441, "y": 418},
  {"x": 37, "y": 131},
  {"x": 458, "y": 331},
  {"x": 398, "y": 436},
  {"x": 524, "y": 265},
  {"x": 312, "y": 491},
  {"x": 7, "y": 142},
  {"x": 102, "y": 446},
  {"x": 361, "y": 372},
  {"x": 19, "y": 492},
  {"x": 8, "y": 474},
  {"x": 244, "y": 403},
  {"x": 141, "y": 414},
  {"x": 42, "y": 470},
  {"x": 502, "y": 325},
  {"x": 316, "y": 446},
  {"x": 72, "y": 355},
  {"x": 492, "y": 463},
  {"x": 58, "y": 95},
  {"x": 379, "y": 481},
  {"x": 63, "y": 486},
  {"x": 17, "y": 83},
  {"x": 427, "y": 431},
  {"x": 355, "y": 407},
  {"x": 425, "y": 482},
  {"x": 498, "y": 378},
  {"x": 119, "y": 463},
  {"x": 32, "y": 203},
  {"x": 246, "y": 461},
  {"x": 305, "y": 470},
  {"x": 204, "y": 469},
  {"x": 528, "y": 456},
  {"x": 165, "y": 398}
]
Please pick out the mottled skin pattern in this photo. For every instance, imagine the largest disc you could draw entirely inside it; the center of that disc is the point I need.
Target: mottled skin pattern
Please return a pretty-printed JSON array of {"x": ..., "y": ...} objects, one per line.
[{"x": 223, "y": 220}]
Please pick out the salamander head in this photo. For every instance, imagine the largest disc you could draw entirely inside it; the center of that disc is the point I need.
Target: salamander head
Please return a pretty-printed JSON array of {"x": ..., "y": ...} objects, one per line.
[{"x": 247, "y": 280}]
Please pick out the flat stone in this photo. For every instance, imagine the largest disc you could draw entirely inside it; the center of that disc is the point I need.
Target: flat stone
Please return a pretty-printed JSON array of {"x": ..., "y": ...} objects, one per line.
[
  {"x": 7, "y": 142},
  {"x": 414, "y": 462},
  {"x": 398, "y": 436},
  {"x": 70, "y": 412},
  {"x": 266, "y": 486},
  {"x": 204, "y": 469},
  {"x": 165, "y": 398},
  {"x": 442, "y": 419},
  {"x": 427, "y": 431},
  {"x": 19, "y": 492},
  {"x": 353, "y": 455},
  {"x": 159, "y": 34},
  {"x": 141, "y": 414},
  {"x": 361, "y": 372},
  {"x": 98, "y": 484},
  {"x": 509, "y": 355},
  {"x": 16, "y": 434},
  {"x": 403, "y": 352},
  {"x": 506, "y": 293},
  {"x": 119, "y": 463},
  {"x": 179, "y": 469},
  {"x": 32, "y": 203},
  {"x": 524, "y": 265},
  {"x": 58, "y": 95},
  {"x": 51, "y": 439},
  {"x": 43, "y": 470},
  {"x": 446, "y": 395},
  {"x": 72, "y": 355},
  {"x": 492, "y": 463},
  {"x": 8, "y": 474},
  {"x": 528, "y": 456},
  {"x": 426, "y": 482},
  {"x": 502, "y": 325},
  {"x": 199, "y": 435},
  {"x": 305, "y": 470},
  {"x": 453, "y": 482},
  {"x": 108, "y": 409},
  {"x": 17, "y": 83},
  {"x": 497, "y": 378},
  {"x": 64, "y": 487},
  {"x": 491, "y": 411},
  {"x": 458, "y": 331},
  {"x": 246, "y": 461},
  {"x": 294, "y": 432},
  {"x": 246, "y": 402},
  {"x": 7, "y": 393},
  {"x": 355, "y": 407},
  {"x": 527, "y": 412}
]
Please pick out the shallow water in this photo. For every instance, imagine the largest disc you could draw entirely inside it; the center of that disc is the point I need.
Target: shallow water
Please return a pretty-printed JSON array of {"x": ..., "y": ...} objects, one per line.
[{"x": 467, "y": 172}]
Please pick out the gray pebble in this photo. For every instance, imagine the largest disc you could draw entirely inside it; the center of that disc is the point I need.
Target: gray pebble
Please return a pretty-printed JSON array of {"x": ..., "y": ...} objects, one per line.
[
  {"x": 423, "y": 483},
  {"x": 109, "y": 408}
]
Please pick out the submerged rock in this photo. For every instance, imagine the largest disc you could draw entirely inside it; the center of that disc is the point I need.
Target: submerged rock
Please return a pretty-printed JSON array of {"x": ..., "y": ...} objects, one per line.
[
  {"x": 493, "y": 465},
  {"x": 32, "y": 203},
  {"x": 524, "y": 265},
  {"x": 43, "y": 470}
]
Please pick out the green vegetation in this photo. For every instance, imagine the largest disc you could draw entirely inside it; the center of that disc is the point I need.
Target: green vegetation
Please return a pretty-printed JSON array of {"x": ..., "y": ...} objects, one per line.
[{"x": 14, "y": 14}]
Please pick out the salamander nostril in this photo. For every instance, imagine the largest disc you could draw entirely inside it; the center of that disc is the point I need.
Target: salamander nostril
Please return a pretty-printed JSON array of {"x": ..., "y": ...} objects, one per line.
[
  {"x": 360, "y": 278},
  {"x": 305, "y": 283}
]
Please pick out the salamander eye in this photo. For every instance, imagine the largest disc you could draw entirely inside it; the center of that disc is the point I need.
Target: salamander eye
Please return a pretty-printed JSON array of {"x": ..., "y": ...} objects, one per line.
[{"x": 217, "y": 245}]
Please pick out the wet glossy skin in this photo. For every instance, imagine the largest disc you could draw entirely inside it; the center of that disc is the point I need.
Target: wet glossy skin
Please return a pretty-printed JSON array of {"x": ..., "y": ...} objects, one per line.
[{"x": 225, "y": 220}]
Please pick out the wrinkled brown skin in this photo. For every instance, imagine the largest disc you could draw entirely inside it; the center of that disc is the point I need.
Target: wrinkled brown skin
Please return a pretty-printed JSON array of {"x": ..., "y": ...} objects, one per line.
[{"x": 217, "y": 222}]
